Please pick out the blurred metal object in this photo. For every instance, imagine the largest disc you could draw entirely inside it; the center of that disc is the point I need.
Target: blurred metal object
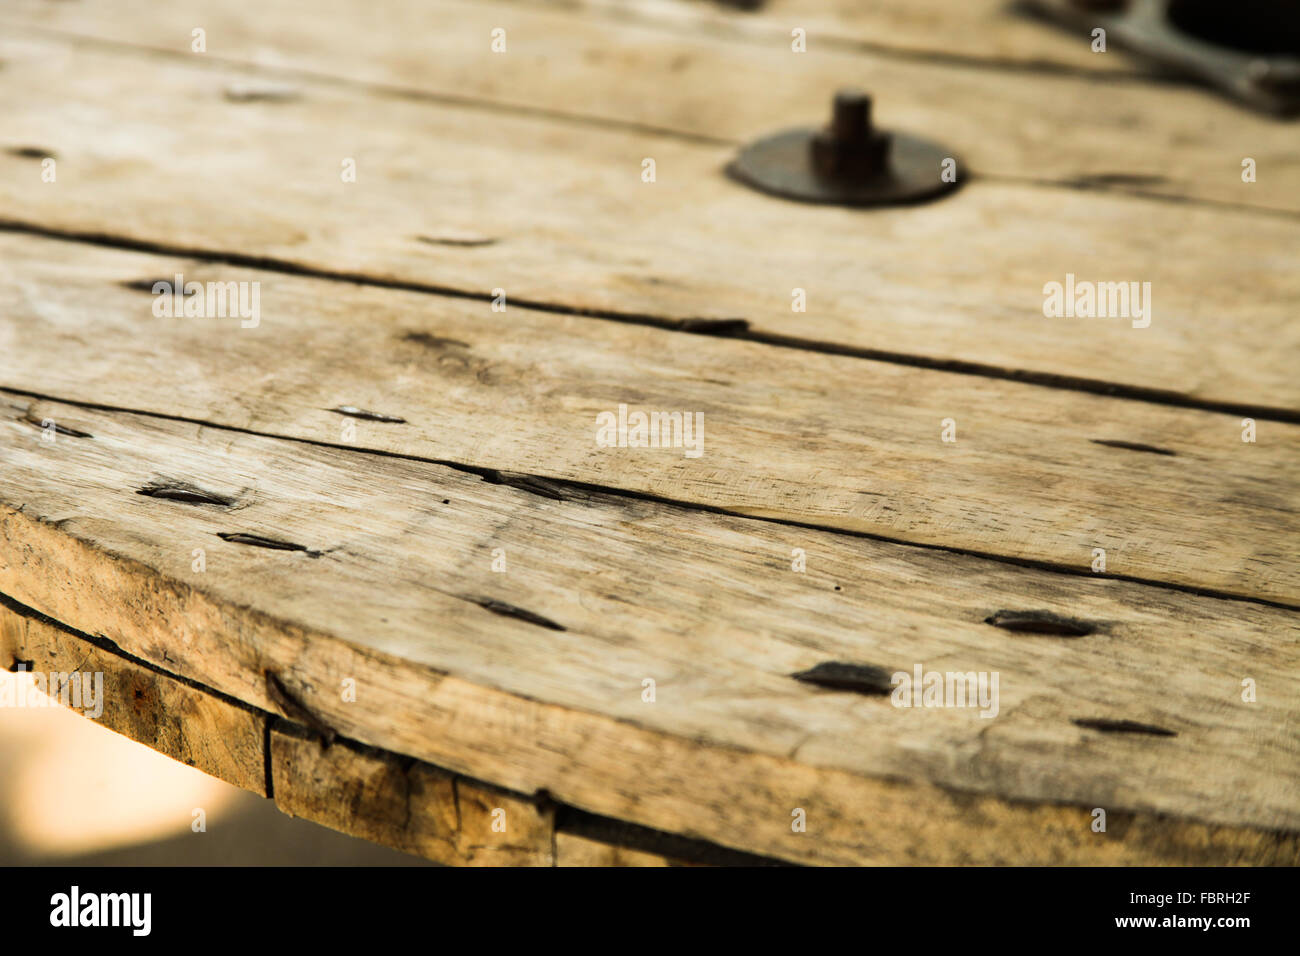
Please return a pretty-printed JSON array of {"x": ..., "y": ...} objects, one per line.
[
  {"x": 1249, "y": 49},
  {"x": 849, "y": 163}
]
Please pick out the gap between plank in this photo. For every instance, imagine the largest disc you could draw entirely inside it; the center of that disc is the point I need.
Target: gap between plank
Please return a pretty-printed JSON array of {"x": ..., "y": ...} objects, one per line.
[
  {"x": 722, "y": 328},
  {"x": 493, "y": 475}
]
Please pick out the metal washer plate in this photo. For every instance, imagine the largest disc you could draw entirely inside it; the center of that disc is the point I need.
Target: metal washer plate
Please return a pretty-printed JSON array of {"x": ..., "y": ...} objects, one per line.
[{"x": 780, "y": 165}]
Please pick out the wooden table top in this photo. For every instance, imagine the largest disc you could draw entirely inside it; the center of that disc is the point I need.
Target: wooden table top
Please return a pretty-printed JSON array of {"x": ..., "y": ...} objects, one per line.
[{"x": 384, "y": 545}]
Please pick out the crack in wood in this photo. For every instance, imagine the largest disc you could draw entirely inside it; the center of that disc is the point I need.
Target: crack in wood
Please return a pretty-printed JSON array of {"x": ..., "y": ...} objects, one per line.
[
  {"x": 1131, "y": 446},
  {"x": 353, "y": 412},
  {"x": 839, "y": 675},
  {"x": 459, "y": 241},
  {"x": 268, "y": 725},
  {"x": 31, "y": 152},
  {"x": 1110, "y": 726},
  {"x": 1107, "y": 180},
  {"x": 58, "y": 429},
  {"x": 261, "y": 541},
  {"x": 431, "y": 341},
  {"x": 1040, "y": 622},
  {"x": 722, "y": 328},
  {"x": 295, "y": 709},
  {"x": 149, "y": 285},
  {"x": 261, "y": 92},
  {"x": 531, "y": 483},
  {"x": 510, "y": 610},
  {"x": 175, "y": 490}
]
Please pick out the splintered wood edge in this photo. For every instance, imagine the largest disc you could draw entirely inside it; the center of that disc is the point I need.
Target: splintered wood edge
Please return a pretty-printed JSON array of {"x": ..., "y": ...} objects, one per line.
[
  {"x": 725, "y": 781},
  {"x": 362, "y": 791},
  {"x": 189, "y": 723},
  {"x": 430, "y": 812},
  {"x": 405, "y": 804},
  {"x": 413, "y": 806}
]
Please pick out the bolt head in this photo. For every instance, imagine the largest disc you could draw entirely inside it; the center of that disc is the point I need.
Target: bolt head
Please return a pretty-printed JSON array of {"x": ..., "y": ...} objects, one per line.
[
  {"x": 834, "y": 158},
  {"x": 851, "y": 115}
]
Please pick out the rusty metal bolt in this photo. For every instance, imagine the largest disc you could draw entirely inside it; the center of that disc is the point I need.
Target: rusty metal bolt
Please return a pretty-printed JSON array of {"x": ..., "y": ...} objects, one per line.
[
  {"x": 850, "y": 148},
  {"x": 849, "y": 162}
]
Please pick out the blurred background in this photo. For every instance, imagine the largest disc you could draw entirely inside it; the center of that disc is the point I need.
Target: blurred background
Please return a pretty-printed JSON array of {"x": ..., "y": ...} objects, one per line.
[{"x": 74, "y": 793}]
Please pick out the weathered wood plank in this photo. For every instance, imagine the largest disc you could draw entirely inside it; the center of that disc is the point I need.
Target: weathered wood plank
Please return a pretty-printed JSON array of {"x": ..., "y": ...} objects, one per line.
[
  {"x": 1162, "y": 139},
  {"x": 838, "y": 442},
  {"x": 403, "y": 599},
  {"x": 1120, "y": 696},
  {"x": 575, "y": 65},
  {"x": 193, "y": 726},
  {"x": 398, "y": 802},
  {"x": 983, "y": 34},
  {"x": 407, "y": 804},
  {"x": 557, "y": 214},
  {"x": 997, "y": 33}
]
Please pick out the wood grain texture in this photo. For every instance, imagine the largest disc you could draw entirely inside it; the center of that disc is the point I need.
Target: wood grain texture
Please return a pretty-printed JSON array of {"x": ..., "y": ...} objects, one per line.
[
  {"x": 832, "y": 441},
  {"x": 576, "y": 68},
  {"x": 979, "y": 34},
  {"x": 992, "y": 33},
  {"x": 365, "y": 792},
  {"x": 389, "y": 486},
  {"x": 557, "y": 214},
  {"x": 188, "y": 724},
  {"x": 402, "y": 598},
  {"x": 406, "y": 804}
]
